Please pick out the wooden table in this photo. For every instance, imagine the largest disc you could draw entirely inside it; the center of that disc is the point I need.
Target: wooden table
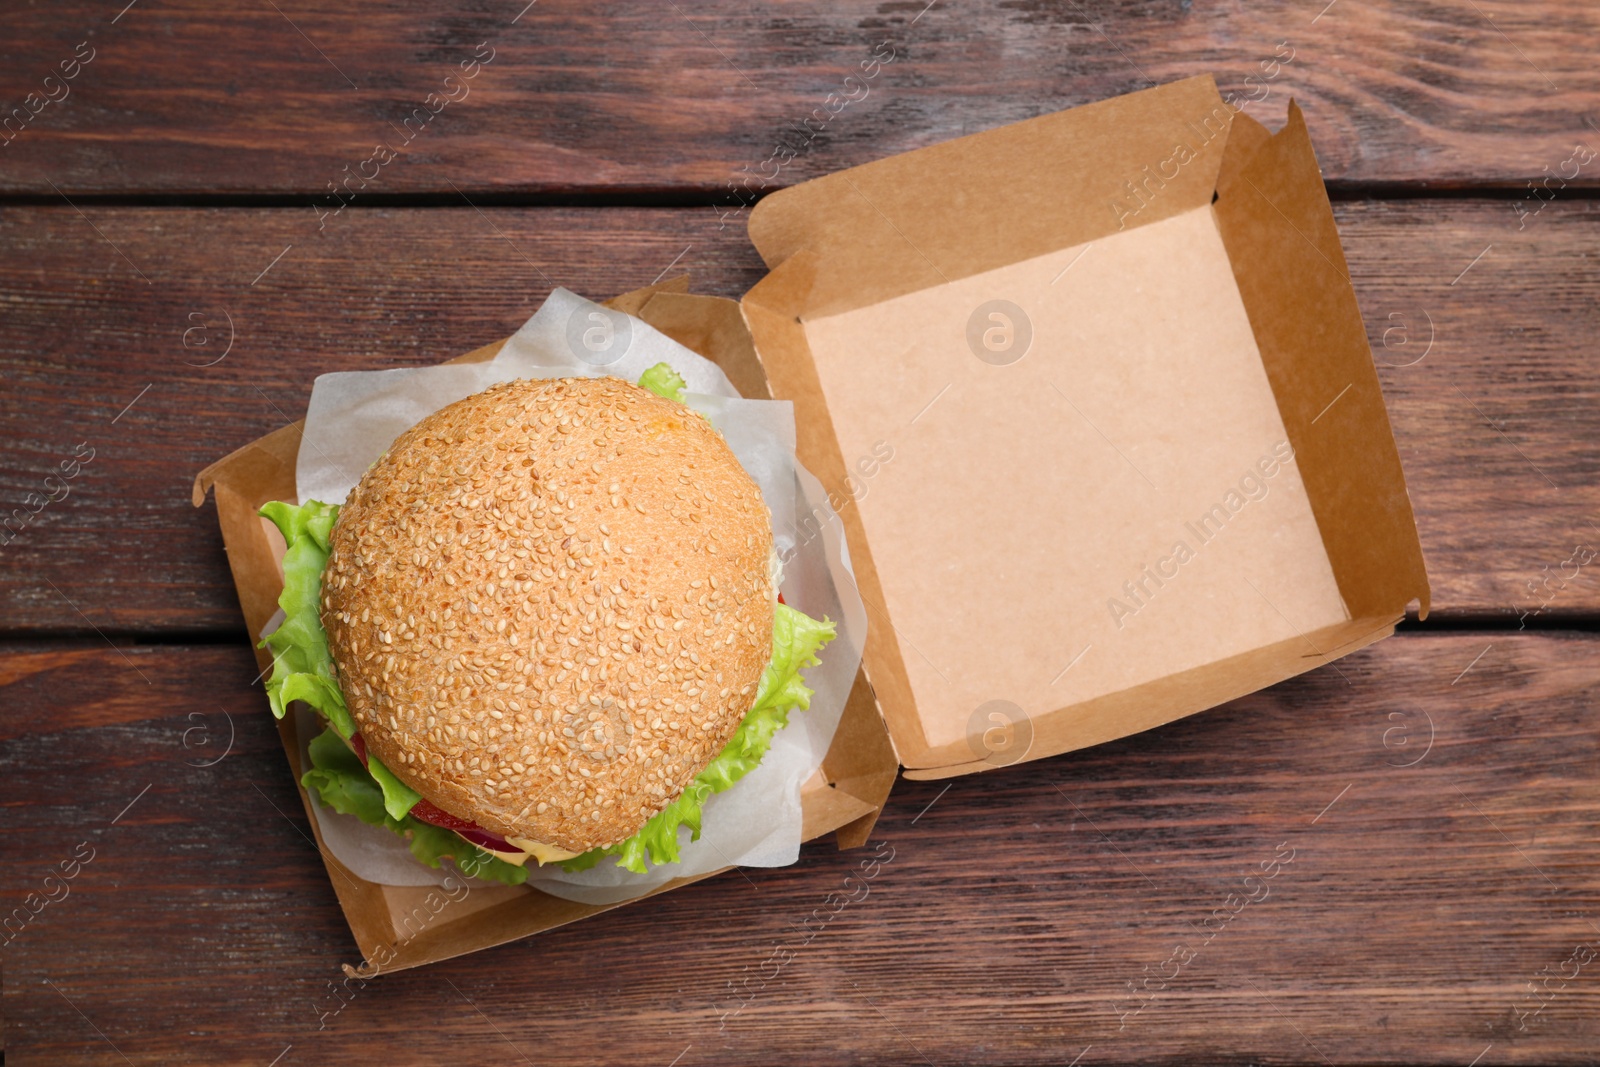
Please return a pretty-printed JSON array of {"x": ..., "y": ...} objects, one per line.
[{"x": 174, "y": 274}]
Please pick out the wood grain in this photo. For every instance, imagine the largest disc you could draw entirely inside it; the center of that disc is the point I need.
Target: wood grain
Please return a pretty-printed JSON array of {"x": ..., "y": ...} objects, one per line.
[
  {"x": 1438, "y": 793},
  {"x": 190, "y": 97},
  {"x": 1487, "y": 373},
  {"x": 1441, "y": 828}
]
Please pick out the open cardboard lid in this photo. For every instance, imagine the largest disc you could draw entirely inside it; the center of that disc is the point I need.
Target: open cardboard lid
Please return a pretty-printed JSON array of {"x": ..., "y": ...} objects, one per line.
[
  {"x": 397, "y": 927},
  {"x": 1086, "y": 498}
]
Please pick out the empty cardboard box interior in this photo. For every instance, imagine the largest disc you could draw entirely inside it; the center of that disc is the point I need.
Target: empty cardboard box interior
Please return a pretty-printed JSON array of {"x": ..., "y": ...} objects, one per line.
[{"x": 1097, "y": 399}]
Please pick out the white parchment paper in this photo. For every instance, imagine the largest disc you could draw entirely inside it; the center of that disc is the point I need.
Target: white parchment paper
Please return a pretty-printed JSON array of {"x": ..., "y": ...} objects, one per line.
[{"x": 354, "y": 417}]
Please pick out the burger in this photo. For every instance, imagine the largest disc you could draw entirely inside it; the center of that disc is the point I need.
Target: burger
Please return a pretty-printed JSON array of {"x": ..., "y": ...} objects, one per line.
[{"x": 544, "y": 628}]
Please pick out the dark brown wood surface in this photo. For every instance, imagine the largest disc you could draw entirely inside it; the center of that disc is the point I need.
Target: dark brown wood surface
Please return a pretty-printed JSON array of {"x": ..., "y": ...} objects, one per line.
[
  {"x": 1436, "y": 830},
  {"x": 169, "y": 288},
  {"x": 189, "y": 96},
  {"x": 1489, "y": 380}
]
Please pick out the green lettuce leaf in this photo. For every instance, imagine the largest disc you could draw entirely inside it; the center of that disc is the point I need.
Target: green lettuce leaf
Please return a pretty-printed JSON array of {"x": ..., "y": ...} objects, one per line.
[
  {"x": 302, "y": 665},
  {"x": 662, "y": 380},
  {"x": 338, "y": 778},
  {"x": 796, "y": 637},
  {"x": 398, "y": 798},
  {"x": 340, "y": 782}
]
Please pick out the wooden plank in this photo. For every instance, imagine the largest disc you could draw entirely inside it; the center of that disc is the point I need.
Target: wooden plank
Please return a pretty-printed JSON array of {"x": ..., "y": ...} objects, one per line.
[
  {"x": 1492, "y": 392},
  {"x": 129, "y": 379},
  {"x": 188, "y": 97},
  {"x": 1429, "y": 802}
]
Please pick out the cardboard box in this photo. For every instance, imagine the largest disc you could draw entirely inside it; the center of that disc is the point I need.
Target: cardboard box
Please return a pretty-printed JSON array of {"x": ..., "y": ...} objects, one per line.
[
  {"x": 1027, "y": 365},
  {"x": 397, "y": 927},
  {"x": 1088, "y": 341}
]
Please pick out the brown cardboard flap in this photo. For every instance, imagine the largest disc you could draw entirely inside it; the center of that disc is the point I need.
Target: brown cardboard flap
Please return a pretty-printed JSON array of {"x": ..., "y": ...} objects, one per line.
[
  {"x": 772, "y": 311},
  {"x": 1177, "y": 695},
  {"x": 979, "y": 202},
  {"x": 397, "y": 927},
  {"x": 1116, "y": 526},
  {"x": 1246, "y": 137},
  {"x": 861, "y": 763},
  {"x": 1278, "y": 226}
]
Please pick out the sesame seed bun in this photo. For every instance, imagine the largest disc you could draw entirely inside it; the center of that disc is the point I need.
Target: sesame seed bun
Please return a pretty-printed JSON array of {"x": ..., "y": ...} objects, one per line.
[{"x": 550, "y": 606}]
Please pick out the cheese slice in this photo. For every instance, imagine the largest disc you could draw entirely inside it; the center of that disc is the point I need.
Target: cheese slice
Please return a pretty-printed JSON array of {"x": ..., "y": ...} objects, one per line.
[
  {"x": 516, "y": 859},
  {"x": 535, "y": 850},
  {"x": 542, "y": 852}
]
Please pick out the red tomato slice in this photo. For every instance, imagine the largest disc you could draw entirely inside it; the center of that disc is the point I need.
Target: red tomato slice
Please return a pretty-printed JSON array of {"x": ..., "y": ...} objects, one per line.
[
  {"x": 428, "y": 811},
  {"x": 484, "y": 839}
]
